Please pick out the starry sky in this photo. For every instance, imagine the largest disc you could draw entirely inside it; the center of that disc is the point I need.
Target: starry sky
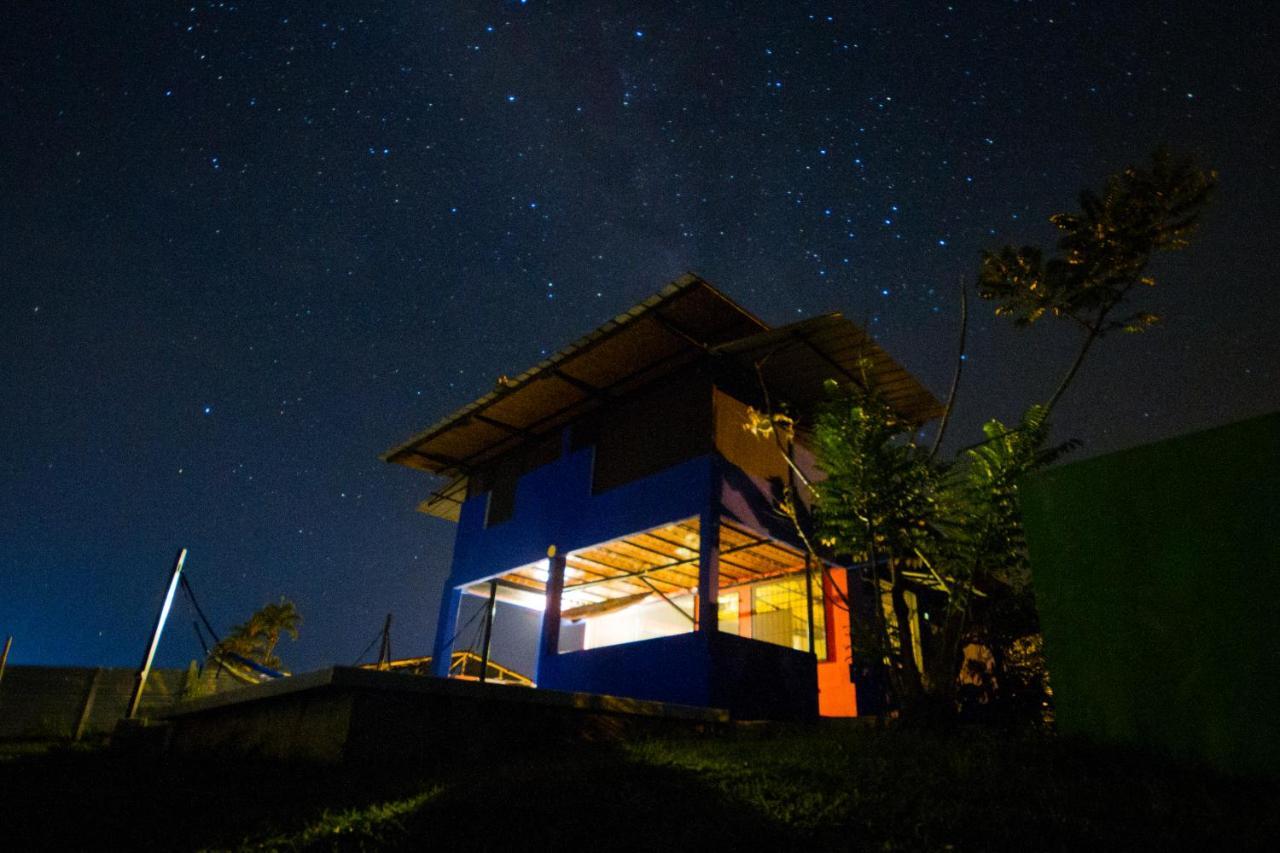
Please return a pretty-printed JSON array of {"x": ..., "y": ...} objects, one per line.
[{"x": 246, "y": 247}]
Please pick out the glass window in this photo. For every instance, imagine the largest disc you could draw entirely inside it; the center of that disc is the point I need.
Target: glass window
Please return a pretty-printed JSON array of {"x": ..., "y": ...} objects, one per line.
[
  {"x": 779, "y": 614},
  {"x": 728, "y": 603}
]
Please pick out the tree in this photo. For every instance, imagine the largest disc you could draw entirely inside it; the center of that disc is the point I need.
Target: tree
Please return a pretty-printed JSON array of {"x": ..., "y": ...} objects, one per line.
[
  {"x": 1103, "y": 254},
  {"x": 985, "y": 550},
  {"x": 256, "y": 638},
  {"x": 887, "y": 503},
  {"x": 1102, "y": 258},
  {"x": 877, "y": 501}
]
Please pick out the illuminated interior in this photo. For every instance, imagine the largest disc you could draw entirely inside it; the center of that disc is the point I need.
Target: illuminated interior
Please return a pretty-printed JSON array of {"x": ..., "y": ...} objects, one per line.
[{"x": 644, "y": 586}]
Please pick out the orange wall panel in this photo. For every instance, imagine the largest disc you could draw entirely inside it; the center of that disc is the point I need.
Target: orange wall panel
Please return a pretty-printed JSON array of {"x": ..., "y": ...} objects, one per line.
[{"x": 837, "y": 696}]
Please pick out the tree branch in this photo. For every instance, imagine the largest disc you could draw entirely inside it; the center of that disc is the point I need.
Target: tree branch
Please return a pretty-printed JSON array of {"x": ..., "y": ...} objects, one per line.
[
  {"x": 955, "y": 379},
  {"x": 1075, "y": 366}
]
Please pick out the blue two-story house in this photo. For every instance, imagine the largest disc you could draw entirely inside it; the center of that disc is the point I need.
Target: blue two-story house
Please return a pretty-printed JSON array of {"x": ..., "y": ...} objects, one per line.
[{"x": 615, "y": 489}]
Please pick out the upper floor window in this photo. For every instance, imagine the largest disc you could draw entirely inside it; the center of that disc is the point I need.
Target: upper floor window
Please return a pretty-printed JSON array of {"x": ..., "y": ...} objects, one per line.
[{"x": 501, "y": 477}]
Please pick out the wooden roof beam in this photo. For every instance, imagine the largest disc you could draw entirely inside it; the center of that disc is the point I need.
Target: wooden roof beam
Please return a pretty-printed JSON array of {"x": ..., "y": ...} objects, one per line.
[
  {"x": 502, "y": 425},
  {"x": 672, "y": 327},
  {"x": 585, "y": 387},
  {"x": 455, "y": 464},
  {"x": 817, "y": 350},
  {"x": 663, "y": 568},
  {"x": 678, "y": 608}
]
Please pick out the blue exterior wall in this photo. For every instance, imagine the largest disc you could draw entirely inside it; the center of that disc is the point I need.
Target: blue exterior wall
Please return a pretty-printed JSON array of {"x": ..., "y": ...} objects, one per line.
[
  {"x": 446, "y": 629},
  {"x": 751, "y": 679},
  {"x": 554, "y": 506}
]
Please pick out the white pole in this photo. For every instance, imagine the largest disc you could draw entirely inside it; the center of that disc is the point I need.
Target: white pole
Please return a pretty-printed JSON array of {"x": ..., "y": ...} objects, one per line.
[{"x": 155, "y": 635}]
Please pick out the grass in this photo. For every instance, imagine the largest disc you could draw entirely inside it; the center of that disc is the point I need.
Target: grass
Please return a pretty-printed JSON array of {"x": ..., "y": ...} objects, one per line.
[
  {"x": 377, "y": 824},
  {"x": 782, "y": 788},
  {"x": 976, "y": 790}
]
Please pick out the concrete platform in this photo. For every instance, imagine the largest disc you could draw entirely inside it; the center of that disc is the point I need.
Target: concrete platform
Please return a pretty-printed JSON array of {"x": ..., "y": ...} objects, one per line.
[{"x": 345, "y": 714}]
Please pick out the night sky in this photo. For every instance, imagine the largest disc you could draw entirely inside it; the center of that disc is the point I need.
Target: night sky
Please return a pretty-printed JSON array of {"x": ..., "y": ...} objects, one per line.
[{"x": 245, "y": 248}]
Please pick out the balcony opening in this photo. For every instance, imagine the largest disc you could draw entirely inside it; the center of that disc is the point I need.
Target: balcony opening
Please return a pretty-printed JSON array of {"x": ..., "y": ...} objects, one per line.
[{"x": 645, "y": 585}]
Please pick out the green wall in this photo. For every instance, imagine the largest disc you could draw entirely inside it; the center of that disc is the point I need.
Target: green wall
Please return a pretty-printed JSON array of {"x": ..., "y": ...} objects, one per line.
[{"x": 1157, "y": 577}]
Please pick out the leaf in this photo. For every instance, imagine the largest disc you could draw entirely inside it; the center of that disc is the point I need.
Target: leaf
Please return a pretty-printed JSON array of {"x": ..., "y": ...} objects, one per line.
[
  {"x": 1104, "y": 249},
  {"x": 1140, "y": 322}
]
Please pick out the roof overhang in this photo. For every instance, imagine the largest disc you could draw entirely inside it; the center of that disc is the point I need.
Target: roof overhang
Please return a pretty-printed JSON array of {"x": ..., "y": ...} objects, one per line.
[
  {"x": 795, "y": 362},
  {"x": 676, "y": 326},
  {"x": 687, "y": 321}
]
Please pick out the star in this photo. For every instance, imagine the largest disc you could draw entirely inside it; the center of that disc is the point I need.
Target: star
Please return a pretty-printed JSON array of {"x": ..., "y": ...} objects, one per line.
[{"x": 316, "y": 165}]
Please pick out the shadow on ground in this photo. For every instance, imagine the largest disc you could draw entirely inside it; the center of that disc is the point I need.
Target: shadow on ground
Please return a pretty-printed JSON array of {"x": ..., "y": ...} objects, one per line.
[
  {"x": 590, "y": 796},
  {"x": 773, "y": 789}
]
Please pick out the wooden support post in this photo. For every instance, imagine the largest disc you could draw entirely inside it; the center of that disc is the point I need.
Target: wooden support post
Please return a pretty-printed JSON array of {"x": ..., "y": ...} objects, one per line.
[
  {"x": 709, "y": 569},
  {"x": 808, "y": 556},
  {"x": 86, "y": 709},
  {"x": 490, "y": 610},
  {"x": 808, "y": 593},
  {"x": 549, "y": 641},
  {"x": 155, "y": 634}
]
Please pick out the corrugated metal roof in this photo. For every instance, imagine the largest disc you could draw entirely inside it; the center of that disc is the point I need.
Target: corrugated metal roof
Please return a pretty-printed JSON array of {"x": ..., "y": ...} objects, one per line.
[
  {"x": 796, "y": 360},
  {"x": 686, "y": 321},
  {"x": 675, "y": 326}
]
